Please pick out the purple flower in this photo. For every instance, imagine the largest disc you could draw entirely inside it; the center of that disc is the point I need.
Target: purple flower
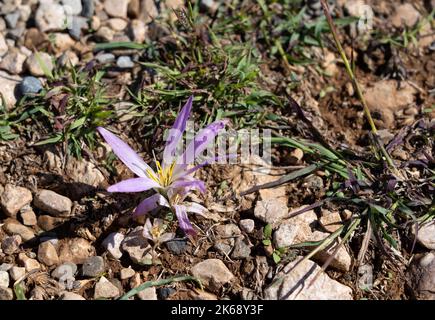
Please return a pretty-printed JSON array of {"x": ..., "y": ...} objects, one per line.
[{"x": 173, "y": 180}]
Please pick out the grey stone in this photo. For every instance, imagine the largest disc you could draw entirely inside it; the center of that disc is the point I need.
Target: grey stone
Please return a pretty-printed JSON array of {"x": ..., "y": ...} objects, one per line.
[
  {"x": 88, "y": 8},
  {"x": 422, "y": 277},
  {"x": 241, "y": 249},
  {"x": 105, "y": 289},
  {"x": 77, "y": 25},
  {"x": 5, "y": 266},
  {"x": 177, "y": 246},
  {"x": 30, "y": 85},
  {"x": 365, "y": 277},
  {"x": 6, "y": 294},
  {"x": 124, "y": 62},
  {"x": 213, "y": 273},
  {"x": 165, "y": 292},
  {"x": 137, "y": 246},
  {"x": 53, "y": 203},
  {"x": 11, "y": 244},
  {"x": 93, "y": 266},
  {"x": 105, "y": 58},
  {"x": 12, "y": 19},
  {"x": 13, "y": 199},
  {"x": 247, "y": 225},
  {"x": 65, "y": 269}
]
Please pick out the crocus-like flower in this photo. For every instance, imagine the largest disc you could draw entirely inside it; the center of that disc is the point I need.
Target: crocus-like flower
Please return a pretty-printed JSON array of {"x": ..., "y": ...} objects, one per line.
[
  {"x": 156, "y": 231},
  {"x": 173, "y": 179}
]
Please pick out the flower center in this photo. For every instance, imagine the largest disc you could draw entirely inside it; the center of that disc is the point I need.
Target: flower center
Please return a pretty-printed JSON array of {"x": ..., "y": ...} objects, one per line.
[{"x": 164, "y": 175}]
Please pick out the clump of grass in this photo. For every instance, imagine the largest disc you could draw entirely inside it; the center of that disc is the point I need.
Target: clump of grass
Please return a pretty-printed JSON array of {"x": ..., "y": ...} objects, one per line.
[{"x": 68, "y": 112}]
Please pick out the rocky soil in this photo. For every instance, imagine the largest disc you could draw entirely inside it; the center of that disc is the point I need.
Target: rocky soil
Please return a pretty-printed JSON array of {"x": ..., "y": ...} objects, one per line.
[{"x": 64, "y": 237}]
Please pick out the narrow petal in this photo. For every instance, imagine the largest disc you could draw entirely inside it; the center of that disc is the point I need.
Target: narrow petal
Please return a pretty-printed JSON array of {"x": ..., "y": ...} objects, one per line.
[
  {"x": 176, "y": 133},
  {"x": 126, "y": 154},
  {"x": 168, "y": 236},
  {"x": 134, "y": 185},
  {"x": 149, "y": 204},
  {"x": 195, "y": 208},
  {"x": 183, "y": 219},
  {"x": 201, "y": 141},
  {"x": 147, "y": 230},
  {"x": 189, "y": 185}
]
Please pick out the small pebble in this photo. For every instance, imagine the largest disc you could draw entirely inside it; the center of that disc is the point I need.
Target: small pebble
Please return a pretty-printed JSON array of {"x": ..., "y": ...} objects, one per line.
[
  {"x": 93, "y": 266},
  {"x": 30, "y": 85},
  {"x": 177, "y": 246},
  {"x": 127, "y": 273},
  {"x": 165, "y": 292},
  {"x": 4, "y": 279},
  {"x": 124, "y": 62},
  {"x": 247, "y": 225}
]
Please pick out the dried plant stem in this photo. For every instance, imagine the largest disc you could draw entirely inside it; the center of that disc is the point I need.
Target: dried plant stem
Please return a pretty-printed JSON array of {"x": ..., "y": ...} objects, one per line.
[{"x": 356, "y": 85}]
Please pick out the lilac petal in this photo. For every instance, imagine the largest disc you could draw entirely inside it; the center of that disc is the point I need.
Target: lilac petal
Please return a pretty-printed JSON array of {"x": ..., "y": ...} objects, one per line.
[
  {"x": 147, "y": 230},
  {"x": 168, "y": 236},
  {"x": 150, "y": 204},
  {"x": 183, "y": 219},
  {"x": 189, "y": 185},
  {"x": 176, "y": 132},
  {"x": 126, "y": 154},
  {"x": 195, "y": 208},
  {"x": 201, "y": 140},
  {"x": 134, "y": 185}
]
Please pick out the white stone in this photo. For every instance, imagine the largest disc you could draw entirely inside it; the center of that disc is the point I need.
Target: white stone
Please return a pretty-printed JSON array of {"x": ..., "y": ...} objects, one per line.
[
  {"x": 17, "y": 272},
  {"x": 4, "y": 279},
  {"x": 71, "y": 296},
  {"x": 73, "y": 7},
  {"x": 51, "y": 16},
  {"x": 14, "y": 198},
  {"x": 270, "y": 211},
  {"x": 113, "y": 244},
  {"x": 426, "y": 234},
  {"x": 105, "y": 289},
  {"x": 53, "y": 203},
  {"x": 116, "y": 8},
  {"x": 37, "y": 61},
  {"x": 293, "y": 283},
  {"x": 213, "y": 273},
  {"x": 148, "y": 294},
  {"x": 13, "y": 61},
  {"x": 7, "y": 87},
  {"x": 247, "y": 225}
]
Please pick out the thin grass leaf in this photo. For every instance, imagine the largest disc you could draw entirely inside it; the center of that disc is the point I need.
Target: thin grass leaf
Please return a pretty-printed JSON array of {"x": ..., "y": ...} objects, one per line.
[
  {"x": 284, "y": 179},
  {"x": 156, "y": 283},
  {"x": 118, "y": 45}
]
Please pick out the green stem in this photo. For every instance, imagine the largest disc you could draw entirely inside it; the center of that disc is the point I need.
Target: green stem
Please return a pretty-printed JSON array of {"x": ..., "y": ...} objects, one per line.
[{"x": 356, "y": 85}]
